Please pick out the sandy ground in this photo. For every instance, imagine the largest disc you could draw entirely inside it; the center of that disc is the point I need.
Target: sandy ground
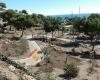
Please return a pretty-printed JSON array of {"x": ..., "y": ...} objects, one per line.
[{"x": 85, "y": 75}]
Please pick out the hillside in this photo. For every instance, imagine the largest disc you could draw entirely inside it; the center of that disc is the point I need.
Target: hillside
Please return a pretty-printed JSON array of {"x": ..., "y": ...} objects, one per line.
[{"x": 9, "y": 72}]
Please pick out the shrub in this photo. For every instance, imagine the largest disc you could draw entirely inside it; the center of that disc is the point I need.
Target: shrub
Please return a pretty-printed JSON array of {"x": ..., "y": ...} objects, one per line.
[{"x": 71, "y": 70}]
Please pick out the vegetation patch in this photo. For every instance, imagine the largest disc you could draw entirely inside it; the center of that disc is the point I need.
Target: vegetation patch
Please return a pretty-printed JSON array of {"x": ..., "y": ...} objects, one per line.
[
  {"x": 14, "y": 48},
  {"x": 71, "y": 70}
]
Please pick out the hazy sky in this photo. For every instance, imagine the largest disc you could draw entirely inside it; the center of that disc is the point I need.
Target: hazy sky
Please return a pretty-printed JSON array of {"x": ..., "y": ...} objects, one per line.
[{"x": 49, "y": 7}]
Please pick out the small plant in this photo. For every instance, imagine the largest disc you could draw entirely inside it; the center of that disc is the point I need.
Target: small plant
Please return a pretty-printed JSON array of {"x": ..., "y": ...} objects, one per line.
[{"x": 71, "y": 70}]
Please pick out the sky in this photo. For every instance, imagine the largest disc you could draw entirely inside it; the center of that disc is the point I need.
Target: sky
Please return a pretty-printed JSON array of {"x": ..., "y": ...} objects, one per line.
[{"x": 54, "y": 7}]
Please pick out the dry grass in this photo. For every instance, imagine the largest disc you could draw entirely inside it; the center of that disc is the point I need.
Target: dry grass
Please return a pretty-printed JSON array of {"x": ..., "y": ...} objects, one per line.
[{"x": 13, "y": 48}]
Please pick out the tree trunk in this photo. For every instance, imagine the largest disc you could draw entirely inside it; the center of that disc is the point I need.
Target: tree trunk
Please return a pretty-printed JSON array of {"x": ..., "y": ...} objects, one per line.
[
  {"x": 92, "y": 43},
  {"x": 10, "y": 28},
  {"x": 92, "y": 55},
  {"x": 22, "y": 33},
  {"x": 32, "y": 35},
  {"x": 58, "y": 33},
  {"x": 74, "y": 42},
  {"x": 62, "y": 32},
  {"x": 46, "y": 37},
  {"x": 52, "y": 34},
  {"x": 15, "y": 30}
]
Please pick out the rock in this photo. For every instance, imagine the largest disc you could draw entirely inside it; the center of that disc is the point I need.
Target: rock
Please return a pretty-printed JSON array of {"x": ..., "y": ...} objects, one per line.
[
  {"x": 12, "y": 68},
  {"x": 28, "y": 77}
]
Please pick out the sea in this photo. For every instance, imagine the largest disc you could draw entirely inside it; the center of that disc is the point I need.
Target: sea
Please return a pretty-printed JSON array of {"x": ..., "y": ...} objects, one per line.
[{"x": 70, "y": 15}]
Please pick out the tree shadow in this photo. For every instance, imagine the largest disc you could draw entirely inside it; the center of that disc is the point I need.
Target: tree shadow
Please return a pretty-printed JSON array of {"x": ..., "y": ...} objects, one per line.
[
  {"x": 62, "y": 76},
  {"x": 65, "y": 77},
  {"x": 85, "y": 55},
  {"x": 73, "y": 54},
  {"x": 15, "y": 38},
  {"x": 86, "y": 40},
  {"x": 83, "y": 38},
  {"x": 71, "y": 44},
  {"x": 31, "y": 39},
  {"x": 43, "y": 39}
]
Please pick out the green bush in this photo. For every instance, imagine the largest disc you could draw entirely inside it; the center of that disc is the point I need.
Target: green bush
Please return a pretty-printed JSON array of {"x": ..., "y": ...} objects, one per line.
[{"x": 71, "y": 70}]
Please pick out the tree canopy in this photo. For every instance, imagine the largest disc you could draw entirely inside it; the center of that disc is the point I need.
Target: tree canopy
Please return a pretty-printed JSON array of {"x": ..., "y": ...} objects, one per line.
[
  {"x": 7, "y": 15},
  {"x": 87, "y": 25},
  {"x": 2, "y": 5}
]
